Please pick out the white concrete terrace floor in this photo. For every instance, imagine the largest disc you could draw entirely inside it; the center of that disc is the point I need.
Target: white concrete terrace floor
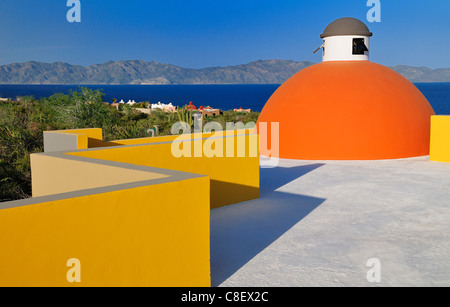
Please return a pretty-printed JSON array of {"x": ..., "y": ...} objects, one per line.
[{"x": 317, "y": 223}]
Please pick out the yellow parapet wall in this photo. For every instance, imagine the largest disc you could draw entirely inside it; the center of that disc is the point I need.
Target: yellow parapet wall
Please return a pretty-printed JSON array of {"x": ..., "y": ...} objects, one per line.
[
  {"x": 136, "y": 229},
  {"x": 232, "y": 164},
  {"x": 440, "y": 138},
  {"x": 72, "y": 139},
  {"x": 56, "y": 174}
]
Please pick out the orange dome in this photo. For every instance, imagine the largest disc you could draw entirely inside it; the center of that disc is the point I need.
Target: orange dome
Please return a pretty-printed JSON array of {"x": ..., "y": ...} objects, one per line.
[{"x": 349, "y": 110}]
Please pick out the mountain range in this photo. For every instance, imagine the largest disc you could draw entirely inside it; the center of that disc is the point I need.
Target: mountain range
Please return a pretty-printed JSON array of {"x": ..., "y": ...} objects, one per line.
[{"x": 142, "y": 72}]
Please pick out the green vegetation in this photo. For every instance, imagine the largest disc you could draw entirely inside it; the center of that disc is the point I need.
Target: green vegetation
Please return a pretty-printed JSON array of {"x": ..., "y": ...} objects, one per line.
[{"x": 22, "y": 124}]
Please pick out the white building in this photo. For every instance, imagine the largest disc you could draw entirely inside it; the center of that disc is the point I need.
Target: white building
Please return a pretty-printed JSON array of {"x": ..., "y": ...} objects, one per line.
[{"x": 163, "y": 106}]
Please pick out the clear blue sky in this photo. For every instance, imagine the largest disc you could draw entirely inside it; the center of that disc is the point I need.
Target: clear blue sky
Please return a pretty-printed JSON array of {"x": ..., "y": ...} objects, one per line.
[{"x": 197, "y": 33}]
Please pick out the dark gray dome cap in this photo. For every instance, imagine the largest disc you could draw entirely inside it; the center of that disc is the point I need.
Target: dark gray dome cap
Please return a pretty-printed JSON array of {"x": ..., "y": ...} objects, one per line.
[{"x": 346, "y": 26}]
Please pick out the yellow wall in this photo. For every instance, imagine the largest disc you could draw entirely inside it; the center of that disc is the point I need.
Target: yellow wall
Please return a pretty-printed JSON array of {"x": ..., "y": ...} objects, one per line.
[
  {"x": 233, "y": 179},
  {"x": 55, "y": 175},
  {"x": 440, "y": 139},
  {"x": 234, "y": 174},
  {"x": 147, "y": 236},
  {"x": 170, "y": 138},
  {"x": 94, "y": 136},
  {"x": 84, "y": 138}
]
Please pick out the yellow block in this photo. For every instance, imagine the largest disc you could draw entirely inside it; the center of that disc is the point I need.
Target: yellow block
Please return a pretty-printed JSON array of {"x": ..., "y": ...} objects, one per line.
[
  {"x": 94, "y": 136},
  {"x": 440, "y": 138},
  {"x": 63, "y": 140},
  {"x": 154, "y": 235}
]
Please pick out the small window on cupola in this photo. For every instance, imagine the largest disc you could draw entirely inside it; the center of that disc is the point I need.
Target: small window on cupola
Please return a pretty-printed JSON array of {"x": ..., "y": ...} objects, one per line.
[{"x": 359, "y": 47}]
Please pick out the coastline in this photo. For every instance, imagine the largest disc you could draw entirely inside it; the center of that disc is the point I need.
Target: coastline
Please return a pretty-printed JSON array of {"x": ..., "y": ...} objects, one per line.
[{"x": 223, "y": 96}]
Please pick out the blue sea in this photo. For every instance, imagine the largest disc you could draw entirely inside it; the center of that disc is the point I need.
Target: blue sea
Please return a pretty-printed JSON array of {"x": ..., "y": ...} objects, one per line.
[{"x": 225, "y": 97}]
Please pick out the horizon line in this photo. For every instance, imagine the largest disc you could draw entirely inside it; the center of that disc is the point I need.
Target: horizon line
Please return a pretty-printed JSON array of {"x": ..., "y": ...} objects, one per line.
[{"x": 231, "y": 65}]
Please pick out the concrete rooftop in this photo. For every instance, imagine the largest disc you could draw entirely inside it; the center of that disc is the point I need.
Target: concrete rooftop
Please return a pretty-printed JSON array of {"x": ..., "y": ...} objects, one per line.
[{"x": 317, "y": 223}]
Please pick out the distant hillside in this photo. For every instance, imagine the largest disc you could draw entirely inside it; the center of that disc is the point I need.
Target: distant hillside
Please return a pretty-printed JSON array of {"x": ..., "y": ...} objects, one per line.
[
  {"x": 141, "y": 72},
  {"x": 423, "y": 74}
]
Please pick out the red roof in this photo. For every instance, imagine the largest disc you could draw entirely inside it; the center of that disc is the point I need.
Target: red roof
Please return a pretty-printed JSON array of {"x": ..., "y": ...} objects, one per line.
[{"x": 191, "y": 106}]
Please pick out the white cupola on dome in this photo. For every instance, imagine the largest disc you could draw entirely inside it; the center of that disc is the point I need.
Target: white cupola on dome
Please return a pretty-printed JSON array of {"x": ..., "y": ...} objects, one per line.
[{"x": 346, "y": 39}]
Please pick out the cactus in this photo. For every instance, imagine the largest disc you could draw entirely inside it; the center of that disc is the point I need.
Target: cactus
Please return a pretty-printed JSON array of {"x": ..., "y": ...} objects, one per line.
[{"x": 185, "y": 115}]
